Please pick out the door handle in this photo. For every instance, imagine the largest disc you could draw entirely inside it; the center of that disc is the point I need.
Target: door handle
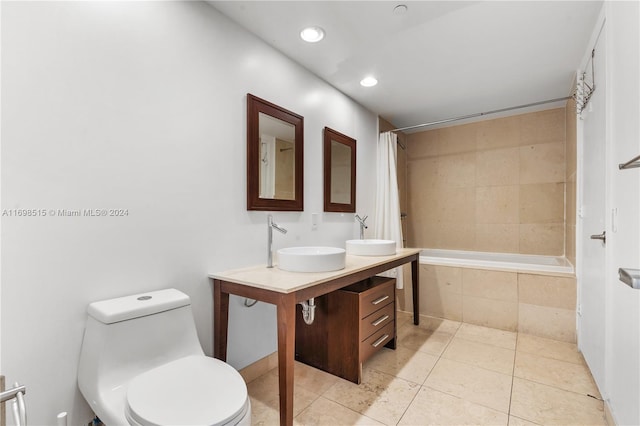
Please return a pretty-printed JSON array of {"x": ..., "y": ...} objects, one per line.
[{"x": 602, "y": 237}]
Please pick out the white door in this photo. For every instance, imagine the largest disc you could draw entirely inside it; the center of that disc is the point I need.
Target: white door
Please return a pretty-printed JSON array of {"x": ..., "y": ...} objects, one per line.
[
  {"x": 591, "y": 302},
  {"x": 623, "y": 122},
  {"x": 609, "y": 326}
]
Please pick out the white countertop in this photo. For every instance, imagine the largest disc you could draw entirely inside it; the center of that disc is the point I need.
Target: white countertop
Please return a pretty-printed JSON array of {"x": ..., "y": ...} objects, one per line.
[{"x": 275, "y": 279}]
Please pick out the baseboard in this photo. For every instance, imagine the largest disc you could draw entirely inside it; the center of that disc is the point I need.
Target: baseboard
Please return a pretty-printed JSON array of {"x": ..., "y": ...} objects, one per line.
[{"x": 260, "y": 367}]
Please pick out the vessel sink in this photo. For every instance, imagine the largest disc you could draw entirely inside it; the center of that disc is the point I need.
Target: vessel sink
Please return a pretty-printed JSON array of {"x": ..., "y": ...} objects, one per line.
[
  {"x": 311, "y": 259},
  {"x": 371, "y": 247}
]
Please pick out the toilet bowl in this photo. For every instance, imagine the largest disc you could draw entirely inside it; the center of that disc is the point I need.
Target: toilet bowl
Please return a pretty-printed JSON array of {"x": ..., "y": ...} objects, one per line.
[{"x": 141, "y": 363}]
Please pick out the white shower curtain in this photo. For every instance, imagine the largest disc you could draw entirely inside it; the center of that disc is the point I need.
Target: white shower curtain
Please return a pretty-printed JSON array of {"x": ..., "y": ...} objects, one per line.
[
  {"x": 387, "y": 225},
  {"x": 267, "y": 166}
]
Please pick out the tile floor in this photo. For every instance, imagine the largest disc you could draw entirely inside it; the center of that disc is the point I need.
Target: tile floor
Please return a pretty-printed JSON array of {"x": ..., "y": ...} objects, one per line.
[{"x": 445, "y": 373}]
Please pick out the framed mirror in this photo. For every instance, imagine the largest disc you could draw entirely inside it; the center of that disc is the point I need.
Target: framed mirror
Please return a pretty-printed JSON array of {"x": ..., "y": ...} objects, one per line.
[
  {"x": 339, "y": 172},
  {"x": 275, "y": 153}
]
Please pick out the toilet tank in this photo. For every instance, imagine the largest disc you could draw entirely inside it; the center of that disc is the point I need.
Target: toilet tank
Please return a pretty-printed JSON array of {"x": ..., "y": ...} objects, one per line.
[{"x": 129, "y": 335}]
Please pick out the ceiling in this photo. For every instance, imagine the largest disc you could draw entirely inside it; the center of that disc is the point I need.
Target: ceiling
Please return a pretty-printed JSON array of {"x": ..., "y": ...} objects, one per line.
[{"x": 440, "y": 59}]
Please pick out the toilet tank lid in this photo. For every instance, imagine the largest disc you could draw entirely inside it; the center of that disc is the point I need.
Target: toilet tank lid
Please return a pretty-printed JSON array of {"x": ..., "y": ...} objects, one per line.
[{"x": 137, "y": 305}]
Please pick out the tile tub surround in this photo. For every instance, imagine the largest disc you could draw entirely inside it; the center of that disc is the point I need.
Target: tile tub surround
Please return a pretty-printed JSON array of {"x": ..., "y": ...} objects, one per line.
[
  {"x": 444, "y": 373},
  {"x": 495, "y": 185},
  {"x": 540, "y": 305}
]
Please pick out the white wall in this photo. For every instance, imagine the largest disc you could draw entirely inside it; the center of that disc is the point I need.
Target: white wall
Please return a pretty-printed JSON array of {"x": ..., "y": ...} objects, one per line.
[{"x": 141, "y": 106}]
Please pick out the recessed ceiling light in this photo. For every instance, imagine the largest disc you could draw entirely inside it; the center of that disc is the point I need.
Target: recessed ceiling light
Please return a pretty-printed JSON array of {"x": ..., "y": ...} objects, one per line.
[
  {"x": 312, "y": 34},
  {"x": 400, "y": 9},
  {"x": 368, "y": 81}
]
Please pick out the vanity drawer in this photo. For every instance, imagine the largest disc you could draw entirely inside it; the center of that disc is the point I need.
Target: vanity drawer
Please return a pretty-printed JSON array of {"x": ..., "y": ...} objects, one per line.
[
  {"x": 376, "y": 341},
  {"x": 377, "y": 320},
  {"x": 377, "y": 298},
  {"x": 348, "y": 323}
]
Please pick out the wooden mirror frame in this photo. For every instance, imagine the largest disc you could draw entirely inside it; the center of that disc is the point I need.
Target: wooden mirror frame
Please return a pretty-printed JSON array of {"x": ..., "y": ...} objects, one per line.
[
  {"x": 255, "y": 106},
  {"x": 332, "y": 135}
]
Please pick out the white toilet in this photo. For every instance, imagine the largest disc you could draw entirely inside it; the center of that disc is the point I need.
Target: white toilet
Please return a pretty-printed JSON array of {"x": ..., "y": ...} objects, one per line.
[{"x": 142, "y": 364}]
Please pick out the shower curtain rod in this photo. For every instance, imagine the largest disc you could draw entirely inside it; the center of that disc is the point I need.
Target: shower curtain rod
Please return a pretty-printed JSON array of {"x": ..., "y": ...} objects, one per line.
[{"x": 480, "y": 114}]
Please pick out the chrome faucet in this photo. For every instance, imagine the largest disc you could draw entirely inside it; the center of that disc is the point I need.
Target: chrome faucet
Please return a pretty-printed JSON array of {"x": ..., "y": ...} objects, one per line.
[
  {"x": 363, "y": 225},
  {"x": 271, "y": 225}
]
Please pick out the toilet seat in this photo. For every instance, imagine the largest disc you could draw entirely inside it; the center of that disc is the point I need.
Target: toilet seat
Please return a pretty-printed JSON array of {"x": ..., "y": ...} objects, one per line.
[{"x": 195, "y": 390}]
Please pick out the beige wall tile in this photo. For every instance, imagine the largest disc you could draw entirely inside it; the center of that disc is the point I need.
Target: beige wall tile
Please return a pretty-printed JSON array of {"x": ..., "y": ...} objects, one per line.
[
  {"x": 422, "y": 174},
  {"x": 441, "y": 304},
  {"x": 455, "y": 205},
  {"x": 553, "y": 323},
  {"x": 542, "y": 163},
  {"x": 545, "y": 239},
  {"x": 485, "y": 158},
  {"x": 498, "y": 167},
  {"x": 497, "y": 204},
  {"x": 445, "y": 277},
  {"x": 551, "y": 125},
  {"x": 570, "y": 241},
  {"x": 570, "y": 228},
  {"x": 457, "y": 170},
  {"x": 571, "y": 136},
  {"x": 441, "y": 291},
  {"x": 498, "y": 133},
  {"x": 547, "y": 405},
  {"x": 425, "y": 206},
  {"x": 542, "y": 127},
  {"x": 457, "y": 139},
  {"x": 456, "y": 236},
  {"x": 543, "y": 290},
  {"x": 422, "y": 144},
  {"x": 490, "y": 313},
  {"x": 494, "y": 285},
  {"x": 542, "y": 203},
  {"x": 500, "y": 238}
]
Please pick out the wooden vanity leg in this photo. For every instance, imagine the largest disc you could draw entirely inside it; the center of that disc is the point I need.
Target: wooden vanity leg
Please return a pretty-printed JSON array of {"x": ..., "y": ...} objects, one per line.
[
  {"x": 415, "y": 270},
  {"x": 286, "y": 352},
  {"x": 220, "y": 321}
]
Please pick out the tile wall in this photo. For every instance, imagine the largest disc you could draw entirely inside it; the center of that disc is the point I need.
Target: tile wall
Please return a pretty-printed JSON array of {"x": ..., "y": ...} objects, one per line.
[
  {"x": 541, "y": 305},
  {"x": 570, "y": 178},
  {"x": 496, "y": 185}
]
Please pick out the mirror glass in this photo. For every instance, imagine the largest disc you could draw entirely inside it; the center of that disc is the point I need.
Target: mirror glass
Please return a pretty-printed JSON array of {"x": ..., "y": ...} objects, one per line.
[
  {"x": 339, "y": 172},
  {"x": 274, "y": 157},
  {"x": 277, "y": 158}
]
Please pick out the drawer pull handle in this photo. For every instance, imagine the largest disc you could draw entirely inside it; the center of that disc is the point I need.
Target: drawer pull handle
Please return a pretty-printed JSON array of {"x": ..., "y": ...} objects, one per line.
[
  {"x": 380, "y": 300},
  {"x": 379, "y": 341},
  {"x": 380, "y": 320}
]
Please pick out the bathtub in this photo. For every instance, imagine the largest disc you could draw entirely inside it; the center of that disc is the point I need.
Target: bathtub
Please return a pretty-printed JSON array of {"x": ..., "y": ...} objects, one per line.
[{"x": 498, "y": 261}]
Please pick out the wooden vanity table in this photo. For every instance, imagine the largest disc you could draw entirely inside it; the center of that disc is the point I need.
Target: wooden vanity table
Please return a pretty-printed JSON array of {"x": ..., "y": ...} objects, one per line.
[{"x": 285, "y": 289}]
